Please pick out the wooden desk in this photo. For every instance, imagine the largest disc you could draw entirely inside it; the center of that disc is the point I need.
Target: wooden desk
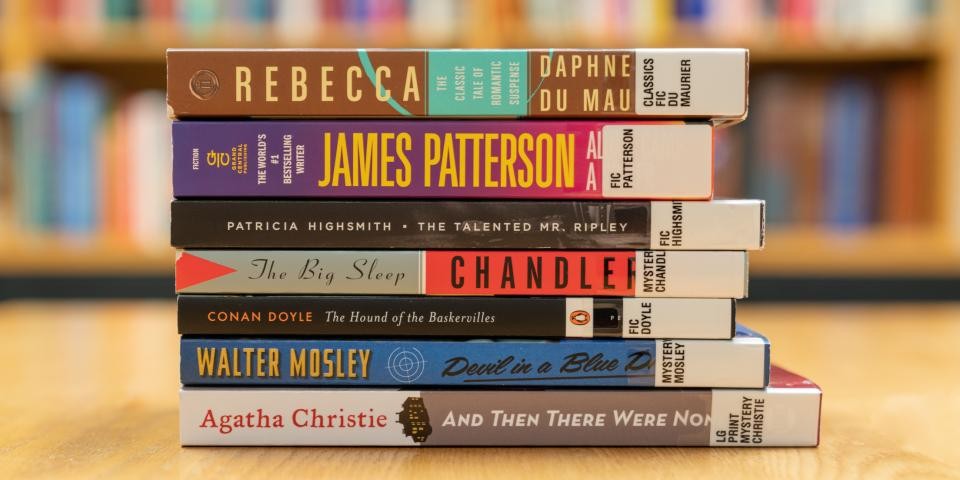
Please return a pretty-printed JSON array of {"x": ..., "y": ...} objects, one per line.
[{"x": 90, "y": 390}]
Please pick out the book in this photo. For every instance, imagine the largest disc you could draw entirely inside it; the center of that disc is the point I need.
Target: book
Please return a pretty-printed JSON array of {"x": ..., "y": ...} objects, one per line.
[
  {"x": 490, "y": 317},
  {"x": 81, "y": 184},
  {"x": 905, "y": 122},
  {"x": 622, "y": 273},
  {"x": 33, "y": 163},
  {"x": 461, "y": 159},
  {"x": 786, "y": 413},
  {"x": 677, "y": 225},
  {"x": 80, "y": 104},
  {"x": 741, "y": 362},
  {"x": 690, "y": 83},
  {"x": 850, "y": 151}
]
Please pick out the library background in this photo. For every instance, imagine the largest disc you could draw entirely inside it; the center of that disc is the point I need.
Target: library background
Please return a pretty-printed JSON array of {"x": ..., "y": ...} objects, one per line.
[{"x": 851, "y": 140}]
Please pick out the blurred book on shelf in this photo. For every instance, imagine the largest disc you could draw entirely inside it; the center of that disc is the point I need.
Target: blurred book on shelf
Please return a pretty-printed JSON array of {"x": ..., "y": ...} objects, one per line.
[
  {"x": 848, "y": 150},
  {"x": 87, "y": 163},
  {"x": 826, "y": 22}
]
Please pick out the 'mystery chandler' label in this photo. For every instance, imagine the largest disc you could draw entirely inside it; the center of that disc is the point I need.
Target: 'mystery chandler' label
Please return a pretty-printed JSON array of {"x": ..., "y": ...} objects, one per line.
[
  {"x": 642, "y": 273},
  {"x": 443, "y": 159},
  {"x": 573, "y": 362}
]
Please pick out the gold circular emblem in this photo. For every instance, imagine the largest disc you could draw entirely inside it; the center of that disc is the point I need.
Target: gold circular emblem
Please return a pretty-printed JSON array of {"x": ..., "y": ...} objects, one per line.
[{"x": 204, "y": 84}]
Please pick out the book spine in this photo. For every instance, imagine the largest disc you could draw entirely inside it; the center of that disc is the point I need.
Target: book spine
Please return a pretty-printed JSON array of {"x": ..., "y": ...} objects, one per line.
[
  {"x": 624, "y": 273},
  {"x": 696, "y": 83},
  {"x": 679, "y": 225},
  {"x": 742, "y": 362},
  {"x": 490, "y": 317},
  {"x": 78, "y": 113},
  {"x": 444, "y": 159},
  {"x": 228, "y": 416}
]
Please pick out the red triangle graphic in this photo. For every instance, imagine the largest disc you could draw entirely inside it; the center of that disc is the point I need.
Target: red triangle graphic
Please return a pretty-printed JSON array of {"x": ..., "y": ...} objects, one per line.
[{"x": 192, "y": 270}]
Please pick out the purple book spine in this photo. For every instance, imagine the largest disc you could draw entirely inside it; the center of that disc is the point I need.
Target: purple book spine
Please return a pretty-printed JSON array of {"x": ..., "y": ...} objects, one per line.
[{"x": 443, "y": 159}]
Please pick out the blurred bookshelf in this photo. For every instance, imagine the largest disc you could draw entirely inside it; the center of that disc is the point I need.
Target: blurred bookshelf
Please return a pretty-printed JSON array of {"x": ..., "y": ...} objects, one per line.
[{"x": 850, "y": 137}]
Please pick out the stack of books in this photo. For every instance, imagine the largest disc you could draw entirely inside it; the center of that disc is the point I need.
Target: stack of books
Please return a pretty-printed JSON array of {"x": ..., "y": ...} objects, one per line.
[{"x": 481, "y": 279}]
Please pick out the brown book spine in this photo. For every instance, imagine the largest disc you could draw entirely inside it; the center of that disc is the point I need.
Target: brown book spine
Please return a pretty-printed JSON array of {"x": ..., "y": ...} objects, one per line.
[
  {"x": 627, "y": 83},
  {"x": 906, "y": 156}
]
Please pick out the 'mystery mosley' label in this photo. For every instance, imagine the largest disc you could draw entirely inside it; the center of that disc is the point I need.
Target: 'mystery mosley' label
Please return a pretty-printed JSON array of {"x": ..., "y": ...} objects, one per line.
[{"x": 690, "y": 362}]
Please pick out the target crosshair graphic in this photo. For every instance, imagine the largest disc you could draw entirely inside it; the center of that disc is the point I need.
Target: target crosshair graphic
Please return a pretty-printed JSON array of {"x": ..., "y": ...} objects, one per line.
[{"x": 406, "y": 364}]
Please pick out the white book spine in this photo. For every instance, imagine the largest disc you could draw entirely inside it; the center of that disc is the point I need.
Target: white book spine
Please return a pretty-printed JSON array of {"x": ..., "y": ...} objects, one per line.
[
  {"x": 715, "y": 225},
  {"x": 230, "y": 416}
]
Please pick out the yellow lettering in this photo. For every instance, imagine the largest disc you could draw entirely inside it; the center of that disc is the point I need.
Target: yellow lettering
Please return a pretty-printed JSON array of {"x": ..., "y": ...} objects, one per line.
[
  {"x": 382, "y": 73},
  {"x": 386, "y": 159},
  {"x": 364, "y": 161},
  {"x": 411, "y": 88},
  {"x": 325, "y": 83},
  {"x": 205, "y": 357},
  {"x": 243, "y": 84},
  {"x": 404, "y": 143},
  {"x": 270, "y": 83},
  {"x": 298, "y": 84},
  {"x": 431, "y": 153},
  {"x": 298, "y": 363},
  {"x": 353, "y": 94},
  {"x": 508, "y": 157}
]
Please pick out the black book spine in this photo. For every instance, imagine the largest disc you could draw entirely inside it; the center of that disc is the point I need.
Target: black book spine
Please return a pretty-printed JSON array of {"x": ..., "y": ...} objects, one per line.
[
  {"x": 411, "y": 224},
  {"x": 538, "y": 317}
]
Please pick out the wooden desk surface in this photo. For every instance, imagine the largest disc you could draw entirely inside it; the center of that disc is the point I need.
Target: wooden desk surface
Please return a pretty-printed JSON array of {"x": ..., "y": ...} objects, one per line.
[{"x": 90, "y": 390}]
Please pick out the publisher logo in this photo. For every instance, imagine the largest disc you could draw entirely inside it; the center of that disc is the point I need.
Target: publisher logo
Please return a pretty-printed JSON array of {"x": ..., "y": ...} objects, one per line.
[
  {"x": 579, "y": 317},
  {"x": 204, "y": 84},
  {"x": 415, "y": 419}
]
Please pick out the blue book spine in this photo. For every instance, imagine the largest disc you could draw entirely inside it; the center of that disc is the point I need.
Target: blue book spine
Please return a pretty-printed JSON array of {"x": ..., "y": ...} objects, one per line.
[
  {"x": 742, "y": 362},
  {"x": 260, "y": 11},
  {"x": 79, "y": 114},
  {"x": 32, "y": 140},
  {"x": 692, "y": 11},
  {"x": 848, "y": 165}
]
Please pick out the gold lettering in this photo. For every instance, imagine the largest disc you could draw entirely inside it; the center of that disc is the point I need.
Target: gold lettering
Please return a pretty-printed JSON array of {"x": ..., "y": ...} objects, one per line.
[
  {"x": 508, "y": 157},
  {"x": 431, "y": 153},
  {"x": 411, "y": 87},
  {"x": 325, "y": 83},
  {"x": 404, "y": 143},
  {"x": 298, "y": 363},
  {"x": 298, "y": 84},
  {"x": 353, "y": 94},
  {"x": 269, "y": 71},
  {"x": 382, "y": 73},
  {"x": 243, "y": 84}
]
